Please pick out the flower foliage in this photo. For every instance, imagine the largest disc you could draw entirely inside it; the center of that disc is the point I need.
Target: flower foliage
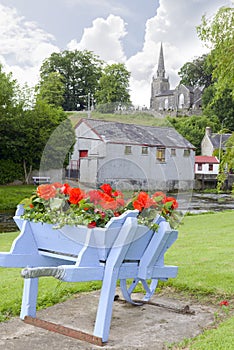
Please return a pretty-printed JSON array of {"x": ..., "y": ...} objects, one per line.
[{"x": 61, "y": 204}]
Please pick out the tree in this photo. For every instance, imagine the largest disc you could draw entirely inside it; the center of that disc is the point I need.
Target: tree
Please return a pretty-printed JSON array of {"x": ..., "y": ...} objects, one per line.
[
  {"x": 227, "y": 162},
  {"x": 10, "y": 111},
  {"x": 114, "y": 85},
  {"x": 196, "y": 73},
  {"x": 37, "y": 126},
  {"x": 193, "y": 128},
  {"x": 222, "y": 107},
  {"x": 218, "y": 35},
  {"x": 51, "y": 89},
  {"x": 80, "y": 72}
]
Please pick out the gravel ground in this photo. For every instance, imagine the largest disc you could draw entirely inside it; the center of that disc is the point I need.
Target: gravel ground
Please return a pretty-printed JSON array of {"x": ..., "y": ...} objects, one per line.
[{"x": 144, "y": 327}]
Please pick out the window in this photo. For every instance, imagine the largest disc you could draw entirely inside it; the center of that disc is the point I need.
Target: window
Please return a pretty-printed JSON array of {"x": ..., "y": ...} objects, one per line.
[
  {"x": 199, "y": 167},
  {"x": 128, "y": 150},
  {"x": 144, "y": 150},
  {"x": 173, "y": 152},
  {"x": 210, "y": 167},
  {"x": 181, "y": 101},
  {"x": 160, "y": 154},
  {"x": 186, "y": 152}
]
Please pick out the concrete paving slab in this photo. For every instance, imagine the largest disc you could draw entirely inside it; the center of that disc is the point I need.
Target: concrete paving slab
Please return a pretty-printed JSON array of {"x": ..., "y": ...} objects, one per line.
[{"x": 135, "y": 328}]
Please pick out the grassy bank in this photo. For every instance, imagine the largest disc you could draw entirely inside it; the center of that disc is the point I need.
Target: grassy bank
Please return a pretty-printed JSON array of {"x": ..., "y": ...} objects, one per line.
[
  {"x": 10, "y": 196},
  {"x": 141, "y": 118},
  {"x": 204, "y": 254}
]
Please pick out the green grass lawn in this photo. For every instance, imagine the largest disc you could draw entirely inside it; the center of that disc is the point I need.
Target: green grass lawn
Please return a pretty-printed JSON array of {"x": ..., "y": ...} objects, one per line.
[
  {"x": 204, "y": 254},
  {"x": 10, "y": 196}
]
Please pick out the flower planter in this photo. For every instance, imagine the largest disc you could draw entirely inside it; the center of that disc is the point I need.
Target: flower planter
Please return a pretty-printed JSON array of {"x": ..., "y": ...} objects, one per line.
[{"x": 72, "y": 241}]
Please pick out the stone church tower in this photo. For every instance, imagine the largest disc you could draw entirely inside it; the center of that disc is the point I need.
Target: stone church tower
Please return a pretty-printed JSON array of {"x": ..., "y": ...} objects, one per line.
[
  {"x": 160, "y": 83},
  {"x": 182, "y": 100}
]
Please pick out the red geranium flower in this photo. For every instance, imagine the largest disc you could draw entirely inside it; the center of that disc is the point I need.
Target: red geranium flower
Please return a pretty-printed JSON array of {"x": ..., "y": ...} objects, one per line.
[
  {"x": 92, "y": 224},
  {"x": 159, "y": 194},
  {"x": 173, "y": 200},
  {"x": 224, "y": 303},
  {"x": 120, "y": 202},
  {"x": 143, "y": 201},
  {"x": 106, "y": 188},
  {"x": 66, "y": 189},
  {"x": 94, "y": 196},
  {"x": 46, "y": 191},
  {"x": 107, "y": 202},
  {"x": 76, "y": 195},
  {"x": 57, "y": 185},
  {"x": 118, "y": 194}
]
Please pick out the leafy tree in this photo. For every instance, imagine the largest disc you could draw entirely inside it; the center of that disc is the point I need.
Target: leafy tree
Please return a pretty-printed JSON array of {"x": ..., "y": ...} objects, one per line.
[
  {"x": 227, "y": 162},
  {"x": 10, "y": 111},
  {"x": 196, "y": 73},
  {"x": 37, "y": 127},
  {"x": 114, "y": 86},
  {"x": 193, "y": 128},
  {"x": 51, "y": 89},
  {"x": 218, "y": 35},
  {"x": 222, "y": 106},
  {"x": 80, "y": 72}
]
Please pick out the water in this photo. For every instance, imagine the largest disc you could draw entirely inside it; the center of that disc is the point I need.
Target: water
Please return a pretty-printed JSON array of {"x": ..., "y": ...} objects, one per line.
[
  {"x": 7, "y": 223},
  {"x": 205, "y": 202},
  {"x": 195, "y": 203}
]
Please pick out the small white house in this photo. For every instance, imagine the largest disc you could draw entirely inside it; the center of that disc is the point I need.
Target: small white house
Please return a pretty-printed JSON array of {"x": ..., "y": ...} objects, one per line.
[
  {"x": 212, "y": 142},
  {"x": 131, "y": 156},
  {"x": 207, "y": 165}
]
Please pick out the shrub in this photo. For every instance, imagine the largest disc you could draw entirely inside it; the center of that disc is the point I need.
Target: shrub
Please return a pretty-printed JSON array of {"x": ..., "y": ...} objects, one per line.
[{"x": 10, "y": 171}]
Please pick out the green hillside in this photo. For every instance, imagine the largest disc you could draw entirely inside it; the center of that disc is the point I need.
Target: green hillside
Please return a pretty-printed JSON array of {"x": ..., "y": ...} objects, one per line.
[{"x": 142, "y": 118}]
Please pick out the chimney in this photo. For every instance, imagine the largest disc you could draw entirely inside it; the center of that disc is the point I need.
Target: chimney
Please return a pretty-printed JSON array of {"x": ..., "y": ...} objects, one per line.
[{"x": 208, "y": 131}]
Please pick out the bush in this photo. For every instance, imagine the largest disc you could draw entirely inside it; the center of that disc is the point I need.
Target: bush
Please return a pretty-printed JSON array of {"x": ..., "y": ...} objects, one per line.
[{"x": 10, "y": 171}]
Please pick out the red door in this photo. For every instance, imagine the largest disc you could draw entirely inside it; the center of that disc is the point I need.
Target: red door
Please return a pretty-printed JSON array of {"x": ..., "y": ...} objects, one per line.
[{"x": 83, "y": 153}]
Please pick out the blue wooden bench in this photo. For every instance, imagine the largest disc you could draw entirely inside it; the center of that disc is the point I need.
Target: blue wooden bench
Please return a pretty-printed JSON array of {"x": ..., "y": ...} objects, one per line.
[{"x": 122, "y": 251}]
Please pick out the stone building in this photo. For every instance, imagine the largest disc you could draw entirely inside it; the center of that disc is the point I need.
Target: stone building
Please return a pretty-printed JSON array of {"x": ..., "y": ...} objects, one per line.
[
  {"x": 212, "y": 142},
  {"x": 182, "y": 100},
  {"x": 130, "y": 156}
]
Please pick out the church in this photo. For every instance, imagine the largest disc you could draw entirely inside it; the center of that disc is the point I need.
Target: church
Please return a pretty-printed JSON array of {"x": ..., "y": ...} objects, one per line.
[{"x": 182, "y": 100}]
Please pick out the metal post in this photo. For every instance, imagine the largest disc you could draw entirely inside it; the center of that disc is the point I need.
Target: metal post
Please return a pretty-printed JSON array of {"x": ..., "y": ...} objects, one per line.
[
  {"x": 89, "y": 111},
  {"x": 220, "y": 140}
]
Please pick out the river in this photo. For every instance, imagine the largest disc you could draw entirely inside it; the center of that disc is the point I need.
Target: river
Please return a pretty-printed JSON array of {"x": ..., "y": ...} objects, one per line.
[{"x": 194, "y": 203}]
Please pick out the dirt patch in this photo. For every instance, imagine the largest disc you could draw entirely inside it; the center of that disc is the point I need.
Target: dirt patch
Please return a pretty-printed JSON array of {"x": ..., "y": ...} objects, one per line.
[{"x": 144, "y": 327}]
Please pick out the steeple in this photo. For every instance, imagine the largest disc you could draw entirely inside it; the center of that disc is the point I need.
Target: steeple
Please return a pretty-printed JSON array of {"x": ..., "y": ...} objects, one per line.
[
  {"x": 161, "y": 68},
  {"x": 160, "y": 85}
]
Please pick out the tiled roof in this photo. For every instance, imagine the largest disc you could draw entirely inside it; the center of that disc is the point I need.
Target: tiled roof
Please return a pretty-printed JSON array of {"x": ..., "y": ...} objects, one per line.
[
  {"x": 215, "y": 140},
  {"x": 206, "y": 159},
  {"x": 116, "y": 132}
]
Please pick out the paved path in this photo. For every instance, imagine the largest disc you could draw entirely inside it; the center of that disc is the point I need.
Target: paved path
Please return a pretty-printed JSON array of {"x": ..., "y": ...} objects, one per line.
[{"x": 146, "y": 327}]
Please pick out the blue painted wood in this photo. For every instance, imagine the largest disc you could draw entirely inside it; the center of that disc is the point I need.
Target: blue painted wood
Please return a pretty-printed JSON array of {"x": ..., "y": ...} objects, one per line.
[
  {"x": 29, "y": 299},
  {"x": 115, "y": 258},
  {"x": 122, "y": 250}
]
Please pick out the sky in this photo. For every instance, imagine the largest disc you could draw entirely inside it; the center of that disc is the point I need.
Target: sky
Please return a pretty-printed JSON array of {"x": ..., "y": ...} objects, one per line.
[{"x": 123, "y": 31}]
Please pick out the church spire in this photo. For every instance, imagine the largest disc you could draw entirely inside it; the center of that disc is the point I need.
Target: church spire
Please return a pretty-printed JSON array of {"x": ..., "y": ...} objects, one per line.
[{"x": 161, "y": 68}]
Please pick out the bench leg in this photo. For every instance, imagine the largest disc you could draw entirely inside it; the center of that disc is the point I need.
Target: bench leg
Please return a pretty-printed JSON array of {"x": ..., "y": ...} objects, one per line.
[{"x": 29, "y": 299}]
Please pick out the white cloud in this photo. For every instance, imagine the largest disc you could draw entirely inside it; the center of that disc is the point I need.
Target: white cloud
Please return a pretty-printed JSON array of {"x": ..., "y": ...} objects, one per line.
[
  {"x": 104, "y": 38},
  {"x": 175, "y": 26},
  {"x": 23, "y": 45}
]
